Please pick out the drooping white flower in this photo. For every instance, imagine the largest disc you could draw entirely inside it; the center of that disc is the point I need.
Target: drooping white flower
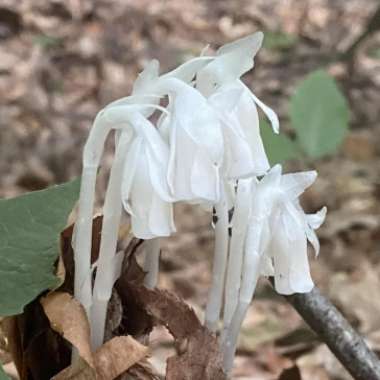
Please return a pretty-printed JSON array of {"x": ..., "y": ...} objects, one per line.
[
  {"x": 193, "y": 131},
  {"x": 285, "y": 229},
  {"x": 235, "y": 104},
  {"x": 275, "y": 243},
  {"x": 145, "y": 192}
]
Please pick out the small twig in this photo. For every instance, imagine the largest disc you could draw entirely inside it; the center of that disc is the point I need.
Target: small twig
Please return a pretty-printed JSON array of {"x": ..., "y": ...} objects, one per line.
[
  {"x": 334, "y": 330},
  {"x": 372, "y": 26}
]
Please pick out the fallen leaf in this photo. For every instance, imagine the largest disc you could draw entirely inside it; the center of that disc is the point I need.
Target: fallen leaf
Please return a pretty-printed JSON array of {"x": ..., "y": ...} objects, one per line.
[
  {"x": 37, "y": 351},
  {"x": 68, "y": 317},
  {"x": 80, "y": 370},
  {"x": 111, "y": 360},
  {"x": 117, "y": 355},
  {"x": 200, "y": 357}
]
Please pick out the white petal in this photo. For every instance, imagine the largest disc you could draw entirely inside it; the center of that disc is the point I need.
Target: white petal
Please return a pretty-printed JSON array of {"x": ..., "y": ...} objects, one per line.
[
  {"x": 252, "y": 43},
  {"x": 131, "y": 162},
  {"x": 238, "y": 162},
  {"x": 291, "y": 265},
  {"x": 271, "y": 115},
  {"x": 157, "y": 154},
  {"x": 272, "y": 179},
  {"x": 204, "y": 178},
  {"x": 187, "y": 71},
  {"x": 249, "y": 121},
  {"x": 161, "y": 217},
  {"x": 232, "y": 61},
  {"x": 141, "y": 199},
  {"x": 226, "y": 98},
  {"x": 313, "y": 239},
  {"x": 266, "y": 266},
  {"x": 201, "y": 123},
  {"x": 182, "y": 150},
  {"x": 146, "y": 77},
  {"x": 294, "y": 184},
  {"x": 316, "y": 220}
]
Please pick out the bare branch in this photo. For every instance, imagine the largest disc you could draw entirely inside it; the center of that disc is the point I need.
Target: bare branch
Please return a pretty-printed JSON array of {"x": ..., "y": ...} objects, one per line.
[{"x": 334, "y": 330}]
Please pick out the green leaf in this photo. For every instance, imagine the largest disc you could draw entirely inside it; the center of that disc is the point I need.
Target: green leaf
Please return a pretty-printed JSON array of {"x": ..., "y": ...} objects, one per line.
[
  {"x": 3, "y": 376},
  {"x": 279, "y": 148},
  {"x": 319, "y": 114},
  {"x": 279, "y": 40},
  {"x": 29, "y": 243}
]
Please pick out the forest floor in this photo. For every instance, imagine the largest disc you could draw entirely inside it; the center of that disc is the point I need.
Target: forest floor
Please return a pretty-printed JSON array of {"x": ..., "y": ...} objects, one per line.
[{"x": 61, "y": 61}]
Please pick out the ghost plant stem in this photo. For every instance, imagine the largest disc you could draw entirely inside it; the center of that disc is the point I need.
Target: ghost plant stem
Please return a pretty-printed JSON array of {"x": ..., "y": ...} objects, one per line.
[
  {"x": 82, "y": 238},
  {"x": 251, "y": 265},
  {"x": 107, "y": 264},
  {"x": 83, "y": 227},
  {"x": 214, "y": 303},
  {"x": 235, "y": 259},
  {"x": 151, "y": 262}
]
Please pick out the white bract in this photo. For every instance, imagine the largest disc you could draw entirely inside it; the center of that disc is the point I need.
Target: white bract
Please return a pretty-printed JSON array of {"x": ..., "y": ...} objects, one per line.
[
  {"x": 205, "y": 149},
  {"x": 275, "y": 242}
]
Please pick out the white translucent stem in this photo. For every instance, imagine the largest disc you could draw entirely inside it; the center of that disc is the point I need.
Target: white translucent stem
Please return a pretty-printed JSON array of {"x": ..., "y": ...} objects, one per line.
[
  {"x": 151, "y": 262},
  {"x": 214, "y": 303},
  {"x": 106, "y": 270},
  {"x": 235, "y": 259},
  {"x": 251, "y": 268},
  {"x": 83, "y": 226},
  {"x": 82, "y": 238}
]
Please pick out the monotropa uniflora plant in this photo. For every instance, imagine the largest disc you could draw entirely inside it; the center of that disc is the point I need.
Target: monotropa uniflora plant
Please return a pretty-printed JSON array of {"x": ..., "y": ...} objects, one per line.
[{"x": 204, "y": 149}]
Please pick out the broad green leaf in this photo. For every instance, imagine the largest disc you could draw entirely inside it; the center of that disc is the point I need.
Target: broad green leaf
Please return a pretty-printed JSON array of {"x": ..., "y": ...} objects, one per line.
[
  {"x": 3, "y": 376},
  {"x": 319, "y": 114},
  {"x": 30, "y": 226},
  {"x": 279, "y": 40},
  {"x": 279, "y": 148}
]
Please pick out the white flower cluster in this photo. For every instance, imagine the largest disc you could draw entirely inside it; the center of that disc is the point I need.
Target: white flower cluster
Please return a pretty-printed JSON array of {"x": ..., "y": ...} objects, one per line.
[{"x": 206, "y": 149}]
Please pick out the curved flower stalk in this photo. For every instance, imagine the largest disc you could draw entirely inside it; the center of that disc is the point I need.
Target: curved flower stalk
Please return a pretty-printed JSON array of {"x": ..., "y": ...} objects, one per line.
[
  {"x": 118, "y": 117},
  {"x": 275, "y": 243},
  {"x": 144, "y": 193}
]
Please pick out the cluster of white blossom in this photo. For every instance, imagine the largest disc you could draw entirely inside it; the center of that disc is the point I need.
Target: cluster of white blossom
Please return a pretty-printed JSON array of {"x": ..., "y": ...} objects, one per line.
[{"x": 205, "y": 149}]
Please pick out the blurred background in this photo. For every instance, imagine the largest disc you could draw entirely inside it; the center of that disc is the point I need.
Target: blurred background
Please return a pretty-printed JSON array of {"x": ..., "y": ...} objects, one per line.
[{"x": 319, "y": 69}]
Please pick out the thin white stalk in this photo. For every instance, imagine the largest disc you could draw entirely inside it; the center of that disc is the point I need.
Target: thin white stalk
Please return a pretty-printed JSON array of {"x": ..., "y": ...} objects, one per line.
[
  {"x": 82, "y": 238},
  {"x": 106, "y": 271},
  {"x": 83, "y": 227},
  {"x": 235, "y": 259},
  {"x": 252, "y": 257},
  {"x": 151, "y": 262},
  {"x": 214, "y": 303}
]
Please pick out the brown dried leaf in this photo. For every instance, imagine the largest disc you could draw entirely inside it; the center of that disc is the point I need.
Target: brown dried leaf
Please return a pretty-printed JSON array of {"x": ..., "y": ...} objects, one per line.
[
  {"x": 68, "y": 317},
  {"x": 118, "y": 355},
  {"x": 111, "y": 360},
  {"x": 143, "y": 370},
  {"x": 80, "y": 370},
  {"x": 201, "y": 358},
  {"x": 67, "y": 253}
]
